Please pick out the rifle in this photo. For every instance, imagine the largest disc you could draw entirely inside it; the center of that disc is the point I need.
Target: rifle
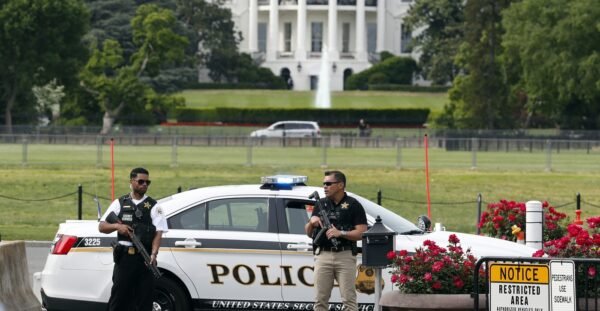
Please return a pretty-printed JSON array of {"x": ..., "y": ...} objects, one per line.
[
  {"x": 112, "y": 218},
  {"x": 324, "y": 220}
]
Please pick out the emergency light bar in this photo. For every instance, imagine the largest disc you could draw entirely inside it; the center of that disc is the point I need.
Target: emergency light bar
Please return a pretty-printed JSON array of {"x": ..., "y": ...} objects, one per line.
[{"x": 277, "y": 182}]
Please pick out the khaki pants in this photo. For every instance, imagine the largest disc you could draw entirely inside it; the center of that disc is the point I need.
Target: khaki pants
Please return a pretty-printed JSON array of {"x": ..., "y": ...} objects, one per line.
[{"x": 330, "y": 266}]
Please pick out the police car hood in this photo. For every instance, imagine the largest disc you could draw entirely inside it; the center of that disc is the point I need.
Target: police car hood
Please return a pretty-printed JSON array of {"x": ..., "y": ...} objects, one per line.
[{"x": 480, "y": 245}]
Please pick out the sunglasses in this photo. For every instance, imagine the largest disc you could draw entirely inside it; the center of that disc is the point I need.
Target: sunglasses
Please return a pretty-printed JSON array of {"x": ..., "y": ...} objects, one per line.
[
  {"x": 143, "y": 181},
  {"x": 329, "y": 183}
]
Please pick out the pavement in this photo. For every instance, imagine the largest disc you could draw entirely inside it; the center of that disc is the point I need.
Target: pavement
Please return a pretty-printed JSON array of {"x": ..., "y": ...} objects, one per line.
[{"x": 37, "y": 252}]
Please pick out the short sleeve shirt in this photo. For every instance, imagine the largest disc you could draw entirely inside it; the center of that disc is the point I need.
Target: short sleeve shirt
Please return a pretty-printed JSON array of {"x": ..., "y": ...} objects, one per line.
[{"x": 345, "y": 215}]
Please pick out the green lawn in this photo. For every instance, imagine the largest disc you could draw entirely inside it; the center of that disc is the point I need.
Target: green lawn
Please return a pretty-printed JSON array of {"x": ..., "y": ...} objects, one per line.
[
  {"x": 54, "y": 171},
  {"x": 304, "y": 99}
]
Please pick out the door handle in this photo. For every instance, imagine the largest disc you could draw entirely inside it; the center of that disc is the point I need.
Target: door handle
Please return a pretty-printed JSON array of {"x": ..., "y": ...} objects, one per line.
[
  {"x": 300, "y": 246},
  {"x": 188, "y": 243}
]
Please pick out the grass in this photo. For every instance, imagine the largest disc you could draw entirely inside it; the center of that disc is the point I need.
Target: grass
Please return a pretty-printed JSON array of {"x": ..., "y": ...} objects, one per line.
[
  {"x": 56, "y": 170},
  {"x": 305, "y": 99}
]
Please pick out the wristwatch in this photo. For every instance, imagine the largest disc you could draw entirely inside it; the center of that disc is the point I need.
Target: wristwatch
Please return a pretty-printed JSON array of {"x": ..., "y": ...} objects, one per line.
[{"x": 344, "y": 233}]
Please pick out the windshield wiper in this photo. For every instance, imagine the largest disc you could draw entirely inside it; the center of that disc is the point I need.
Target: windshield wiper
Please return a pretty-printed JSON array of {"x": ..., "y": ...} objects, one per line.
[{"x": 411, "y": 232}]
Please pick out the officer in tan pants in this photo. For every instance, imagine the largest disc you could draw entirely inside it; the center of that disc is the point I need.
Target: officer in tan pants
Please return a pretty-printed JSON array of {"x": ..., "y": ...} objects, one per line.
[{"x": 348, "y": 222}]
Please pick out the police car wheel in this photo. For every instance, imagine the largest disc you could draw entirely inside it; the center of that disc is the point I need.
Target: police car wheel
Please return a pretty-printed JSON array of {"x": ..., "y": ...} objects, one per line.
[{"x": 169, "y": 296}]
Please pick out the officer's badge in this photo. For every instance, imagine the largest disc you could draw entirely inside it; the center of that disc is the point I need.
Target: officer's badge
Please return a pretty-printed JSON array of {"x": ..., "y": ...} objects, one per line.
[
  {"x": 345, "y": 205},
  {"x": 147, "y": 204}
]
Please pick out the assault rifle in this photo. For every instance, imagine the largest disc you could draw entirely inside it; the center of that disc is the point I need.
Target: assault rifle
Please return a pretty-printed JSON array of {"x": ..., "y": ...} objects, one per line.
[
  {"x": 324, "y": 220},
  {"x": 112, "y": 218}
]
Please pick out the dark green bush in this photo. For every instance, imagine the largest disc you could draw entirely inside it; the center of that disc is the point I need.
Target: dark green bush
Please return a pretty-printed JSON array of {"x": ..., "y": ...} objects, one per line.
[
  {"x": 327, "y": 117},
  {"x": 398, "y": 70},
  {"x": 409, "y": 88}
]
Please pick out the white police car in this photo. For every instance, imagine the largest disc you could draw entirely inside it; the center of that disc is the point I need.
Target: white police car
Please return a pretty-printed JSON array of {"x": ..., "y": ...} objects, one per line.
[{"x": 228, "y": 248}]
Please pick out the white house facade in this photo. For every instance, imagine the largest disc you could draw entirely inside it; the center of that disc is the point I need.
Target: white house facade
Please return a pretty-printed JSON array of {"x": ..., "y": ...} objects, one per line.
[{"x": 288, "y": 36}]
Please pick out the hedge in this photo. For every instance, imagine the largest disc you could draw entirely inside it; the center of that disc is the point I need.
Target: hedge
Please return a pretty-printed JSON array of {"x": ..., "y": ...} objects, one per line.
[
  {"x": 236, "y": 86},
  {"x": 326, "y": 117},
  {"x": 409, "y": 88}
]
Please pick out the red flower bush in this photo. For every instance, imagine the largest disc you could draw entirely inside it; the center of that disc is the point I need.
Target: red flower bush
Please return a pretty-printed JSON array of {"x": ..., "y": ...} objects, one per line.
[
  {"x": 498, "y": 218},
  {"x": 578, "y": 243},
  {"x": 433, "y": 269}
]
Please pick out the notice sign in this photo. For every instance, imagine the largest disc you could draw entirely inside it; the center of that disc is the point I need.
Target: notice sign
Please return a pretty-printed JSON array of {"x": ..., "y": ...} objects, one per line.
[
  {"x": 562, "y": 290},
  {"x": 519, "y": 287}
]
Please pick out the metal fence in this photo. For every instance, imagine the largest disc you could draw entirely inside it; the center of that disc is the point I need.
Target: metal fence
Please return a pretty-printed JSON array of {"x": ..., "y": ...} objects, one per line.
[{"x": 470, "y": 152}]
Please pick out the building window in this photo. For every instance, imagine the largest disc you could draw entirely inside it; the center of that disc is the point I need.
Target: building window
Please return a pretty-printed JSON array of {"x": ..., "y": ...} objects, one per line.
[
  {"x": 345, "y": 37},
  {"x": 405, "y": 39},
  {"x": 317, "y": 37},
  {"x": 287, "y": 37},
  {"x": 371, "y": 37},
  {"x": 262, "y": 37}
]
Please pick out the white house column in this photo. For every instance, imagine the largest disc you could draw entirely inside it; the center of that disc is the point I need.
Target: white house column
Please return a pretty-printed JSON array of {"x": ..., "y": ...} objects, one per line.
[
  {"x": 332, "y": 25},
  {"x": 301, "y": 80},
  {"x": 300, "y": 54},
  {"x": 273, "y": 43},
  {"x": 361, "y": 48},
  {"x": 252, "y": 27},
  {"x": 380, "y": 25}
]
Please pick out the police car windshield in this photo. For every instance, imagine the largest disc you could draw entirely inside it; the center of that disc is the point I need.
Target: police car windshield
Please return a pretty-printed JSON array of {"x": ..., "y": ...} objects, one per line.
[{"x": 390, "y": 219}]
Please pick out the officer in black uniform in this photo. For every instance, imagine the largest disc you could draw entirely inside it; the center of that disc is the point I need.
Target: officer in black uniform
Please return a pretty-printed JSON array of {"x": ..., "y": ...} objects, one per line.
[
  {"x": 133, "y": 282},
  {"x": 349, "y": 221}
]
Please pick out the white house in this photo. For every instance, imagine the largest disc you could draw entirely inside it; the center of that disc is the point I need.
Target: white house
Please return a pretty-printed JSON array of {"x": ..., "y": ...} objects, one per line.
[{"x": 288, "y": 36}]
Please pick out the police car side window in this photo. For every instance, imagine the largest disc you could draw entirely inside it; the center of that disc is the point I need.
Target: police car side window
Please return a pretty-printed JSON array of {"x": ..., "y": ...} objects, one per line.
[
  {"x": 297, "y": 214},
  {"x": 191, "y": 219},
  {"x": 243, "y": 214}
]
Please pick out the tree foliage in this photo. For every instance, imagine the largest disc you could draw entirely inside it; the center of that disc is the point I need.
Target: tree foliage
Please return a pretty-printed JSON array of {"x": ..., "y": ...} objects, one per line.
[
  {"x": 442, "y": 32},
  {"x": 41, "y": 41},
  {"x": 556, "y": 46},
  {"x": 394, "y": 70},
  {"x": 114, "y": 80},
  {"x": 478, "y": 98}
]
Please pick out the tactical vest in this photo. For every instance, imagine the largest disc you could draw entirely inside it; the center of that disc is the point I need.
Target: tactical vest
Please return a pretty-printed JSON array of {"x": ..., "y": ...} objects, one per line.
[{"x": 138, "y": 217}]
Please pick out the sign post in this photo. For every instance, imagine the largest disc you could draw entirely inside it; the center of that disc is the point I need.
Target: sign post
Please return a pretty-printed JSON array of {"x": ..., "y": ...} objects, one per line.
[
  {"x": 562, "y": 290},
  {"x": 519, "y": 287}
]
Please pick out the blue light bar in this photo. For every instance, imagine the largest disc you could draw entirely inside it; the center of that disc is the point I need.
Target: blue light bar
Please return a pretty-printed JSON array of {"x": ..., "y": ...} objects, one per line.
[{"x": 284, "y": 179}]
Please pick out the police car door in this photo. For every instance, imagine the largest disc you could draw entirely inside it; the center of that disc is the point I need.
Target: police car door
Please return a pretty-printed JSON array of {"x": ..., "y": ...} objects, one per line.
[
  {"x": 228, "y": 247},
  {"x": 297, "y": 256}
]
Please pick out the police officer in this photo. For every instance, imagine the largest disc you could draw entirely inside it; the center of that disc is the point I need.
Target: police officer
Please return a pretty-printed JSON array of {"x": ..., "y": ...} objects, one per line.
[
  {"x": 133, "y": 282},
  {"x": 348, "y": 222}
]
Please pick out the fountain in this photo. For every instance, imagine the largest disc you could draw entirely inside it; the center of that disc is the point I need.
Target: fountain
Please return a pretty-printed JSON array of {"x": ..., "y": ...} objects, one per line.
[{"x": 323, "y": 99}]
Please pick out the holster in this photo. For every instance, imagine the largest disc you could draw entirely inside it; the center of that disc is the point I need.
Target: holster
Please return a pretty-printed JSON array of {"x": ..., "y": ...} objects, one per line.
[{"x": 118, "y": 251}]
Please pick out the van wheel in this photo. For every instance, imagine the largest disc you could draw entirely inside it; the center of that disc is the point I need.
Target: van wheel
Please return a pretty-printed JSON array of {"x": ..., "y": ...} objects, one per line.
[{"x": 169, "y": 296}]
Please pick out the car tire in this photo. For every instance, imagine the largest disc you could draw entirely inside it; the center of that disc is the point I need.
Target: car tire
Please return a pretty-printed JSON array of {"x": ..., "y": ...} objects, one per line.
[{"x": 169, "y": 295}]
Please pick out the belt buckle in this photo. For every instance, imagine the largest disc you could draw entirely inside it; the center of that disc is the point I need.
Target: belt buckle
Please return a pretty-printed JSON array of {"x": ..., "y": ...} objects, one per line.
[{"x": 131, "y": 250}]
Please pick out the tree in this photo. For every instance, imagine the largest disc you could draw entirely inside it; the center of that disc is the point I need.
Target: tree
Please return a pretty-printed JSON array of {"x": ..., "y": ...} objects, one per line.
[
  {"x": 555, "y": 45},
  {"x": 114, "y": 80},
  {"x": 41, "y": 41},
  {"x": 479, "y": 96},
  {"x": 441, "y": 22},
  {"x": 217, "y": 38}
]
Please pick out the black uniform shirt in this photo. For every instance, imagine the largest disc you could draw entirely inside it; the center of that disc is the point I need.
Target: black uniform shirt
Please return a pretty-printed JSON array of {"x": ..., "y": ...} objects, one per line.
[{"x": 344, "y": 216}]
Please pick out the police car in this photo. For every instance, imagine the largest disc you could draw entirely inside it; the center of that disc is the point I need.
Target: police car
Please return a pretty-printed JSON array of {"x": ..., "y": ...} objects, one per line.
[{"x": 237, "y": 247}]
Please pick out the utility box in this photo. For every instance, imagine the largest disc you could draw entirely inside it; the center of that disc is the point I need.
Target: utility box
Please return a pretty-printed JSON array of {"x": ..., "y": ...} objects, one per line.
[{"x": 377, "y": 242}]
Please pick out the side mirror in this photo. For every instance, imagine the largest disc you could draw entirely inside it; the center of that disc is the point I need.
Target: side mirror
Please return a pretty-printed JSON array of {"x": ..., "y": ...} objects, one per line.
[{"x": 424, "y": 223}]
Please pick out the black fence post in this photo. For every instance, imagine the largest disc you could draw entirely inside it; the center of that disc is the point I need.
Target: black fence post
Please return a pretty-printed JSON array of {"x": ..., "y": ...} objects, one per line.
[
  {"x": 179, "y": 189},
  {"x": 379, "y": 197},
  {"x": 479, "y": 200},
  {"x": 578, "y": 200},
  {"x": 79, "y": 201}
]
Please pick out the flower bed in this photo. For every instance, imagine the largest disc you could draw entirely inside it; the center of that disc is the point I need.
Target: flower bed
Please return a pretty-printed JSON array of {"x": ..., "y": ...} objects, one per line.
[
  {"x": 499, "y": 218},
  {"x": 433, "y": 269}
]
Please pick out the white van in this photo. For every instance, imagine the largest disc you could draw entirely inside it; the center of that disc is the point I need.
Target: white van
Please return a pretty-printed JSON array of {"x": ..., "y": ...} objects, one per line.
[{"x": 289, "y": 129}]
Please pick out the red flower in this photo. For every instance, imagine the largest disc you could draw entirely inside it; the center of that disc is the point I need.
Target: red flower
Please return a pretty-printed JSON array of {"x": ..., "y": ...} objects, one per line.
[
  {"x": 458, "y": 283},
  {"x": 453, "y": 239},
  {"x": 437, "y": 266},
  {"x": 427, "y": 277},
  {"x": 436, "y": 285},
  {"x": 592, "y": 271},
  {"x": 390, "y": 255}
]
